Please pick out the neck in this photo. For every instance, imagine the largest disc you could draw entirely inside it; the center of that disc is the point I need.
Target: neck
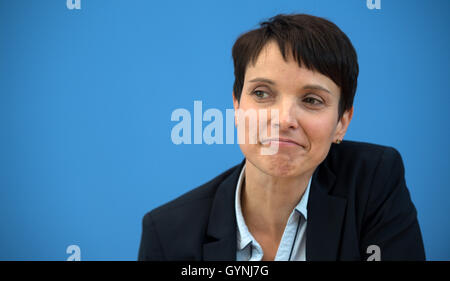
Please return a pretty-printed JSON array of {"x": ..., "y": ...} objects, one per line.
[{"x": 267, "y": 201}]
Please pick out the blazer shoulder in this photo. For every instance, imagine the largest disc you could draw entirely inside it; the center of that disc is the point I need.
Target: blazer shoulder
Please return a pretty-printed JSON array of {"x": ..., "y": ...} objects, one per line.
[
  {"x": 358, "y": 166},
  {"x": 193, "y": 199},
  {"x": 365, "y": 147},
  {"x": 355, "y": 152},
  {"x": 166, "y": 228}
]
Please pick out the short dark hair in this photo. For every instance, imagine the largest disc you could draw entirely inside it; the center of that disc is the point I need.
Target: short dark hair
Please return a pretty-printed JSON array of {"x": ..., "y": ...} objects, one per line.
[{"x": 314, "y": 42}]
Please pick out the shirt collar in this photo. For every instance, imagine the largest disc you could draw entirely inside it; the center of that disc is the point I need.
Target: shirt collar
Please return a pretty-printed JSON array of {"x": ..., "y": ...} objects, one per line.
[{"x": 244, "y": 237}]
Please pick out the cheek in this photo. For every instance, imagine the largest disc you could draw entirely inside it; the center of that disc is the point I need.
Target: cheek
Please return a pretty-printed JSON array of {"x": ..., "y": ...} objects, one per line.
[
  {"x": 257, "y": 125},
  {"x": 319, "y": 129},
  {"x": 246, "y": 121}
]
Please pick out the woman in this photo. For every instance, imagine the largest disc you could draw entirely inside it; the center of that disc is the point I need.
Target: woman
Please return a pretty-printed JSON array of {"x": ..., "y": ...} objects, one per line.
[{"x": 316, "y": 197}]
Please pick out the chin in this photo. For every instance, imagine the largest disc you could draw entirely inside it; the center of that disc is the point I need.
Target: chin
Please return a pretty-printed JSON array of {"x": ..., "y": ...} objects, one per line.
[{"x": 280, "y": 166}]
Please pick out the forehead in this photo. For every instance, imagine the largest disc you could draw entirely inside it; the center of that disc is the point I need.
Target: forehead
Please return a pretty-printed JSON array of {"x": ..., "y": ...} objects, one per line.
[{"x": 270, "y": 64}]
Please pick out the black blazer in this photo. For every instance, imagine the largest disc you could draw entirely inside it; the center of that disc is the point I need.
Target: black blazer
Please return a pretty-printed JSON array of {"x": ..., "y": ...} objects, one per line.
[{"x": 358, "y": 197}]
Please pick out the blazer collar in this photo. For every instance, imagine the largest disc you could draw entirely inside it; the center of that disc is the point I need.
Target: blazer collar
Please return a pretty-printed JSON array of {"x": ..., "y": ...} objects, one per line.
[
  {"x": 325, "y": 218},
  {"x": 221, "y": 231}
]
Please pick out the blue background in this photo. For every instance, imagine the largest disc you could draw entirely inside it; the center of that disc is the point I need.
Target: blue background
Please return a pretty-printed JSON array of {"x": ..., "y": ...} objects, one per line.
[{"x": 86, "y": 98}]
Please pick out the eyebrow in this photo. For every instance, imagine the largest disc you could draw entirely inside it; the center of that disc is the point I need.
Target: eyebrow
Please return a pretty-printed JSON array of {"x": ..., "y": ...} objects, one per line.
[
  {"x": 259, "y": 79},
  {"x": 316, "y": 87},
  {"x": 306, "y": 87}
]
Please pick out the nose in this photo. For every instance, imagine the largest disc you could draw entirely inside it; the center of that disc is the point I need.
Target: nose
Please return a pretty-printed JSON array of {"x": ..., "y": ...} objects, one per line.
[{"x": 288, "y": 115}]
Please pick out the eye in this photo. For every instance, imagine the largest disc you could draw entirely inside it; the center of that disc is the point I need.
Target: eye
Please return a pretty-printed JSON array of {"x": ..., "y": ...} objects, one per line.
[
  {"x": 312, "y": 101},
  {"x": 260, "y": 94}
]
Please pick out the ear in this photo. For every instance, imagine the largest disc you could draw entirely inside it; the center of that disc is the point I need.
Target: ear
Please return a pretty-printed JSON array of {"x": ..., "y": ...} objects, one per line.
[{"x": 342, "y": 125}]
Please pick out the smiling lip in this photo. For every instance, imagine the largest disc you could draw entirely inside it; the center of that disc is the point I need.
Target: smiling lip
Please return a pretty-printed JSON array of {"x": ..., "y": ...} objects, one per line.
[{"x": 282, "y": 142}]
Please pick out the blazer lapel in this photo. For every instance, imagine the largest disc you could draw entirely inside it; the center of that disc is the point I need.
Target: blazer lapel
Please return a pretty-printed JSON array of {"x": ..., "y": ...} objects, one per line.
[
  {"x": 221, "y": 233},
  {"x": 325, "y": 217}
]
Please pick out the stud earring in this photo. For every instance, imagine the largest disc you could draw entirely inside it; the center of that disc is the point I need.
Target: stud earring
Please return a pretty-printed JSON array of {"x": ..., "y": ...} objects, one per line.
[{"x": 338, "y": 141}]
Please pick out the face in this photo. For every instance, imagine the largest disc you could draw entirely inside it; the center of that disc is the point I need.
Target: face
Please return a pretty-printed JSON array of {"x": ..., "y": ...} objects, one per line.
[{"x": 307, "y": 104}]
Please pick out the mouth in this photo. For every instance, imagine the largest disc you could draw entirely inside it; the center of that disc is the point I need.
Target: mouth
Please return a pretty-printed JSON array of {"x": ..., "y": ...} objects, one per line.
[{"x": 281, "y": 142}]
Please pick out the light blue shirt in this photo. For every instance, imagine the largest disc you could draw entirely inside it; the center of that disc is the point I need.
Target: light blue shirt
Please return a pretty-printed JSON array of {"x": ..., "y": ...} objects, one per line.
[{"x": 293, "y": 241}]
